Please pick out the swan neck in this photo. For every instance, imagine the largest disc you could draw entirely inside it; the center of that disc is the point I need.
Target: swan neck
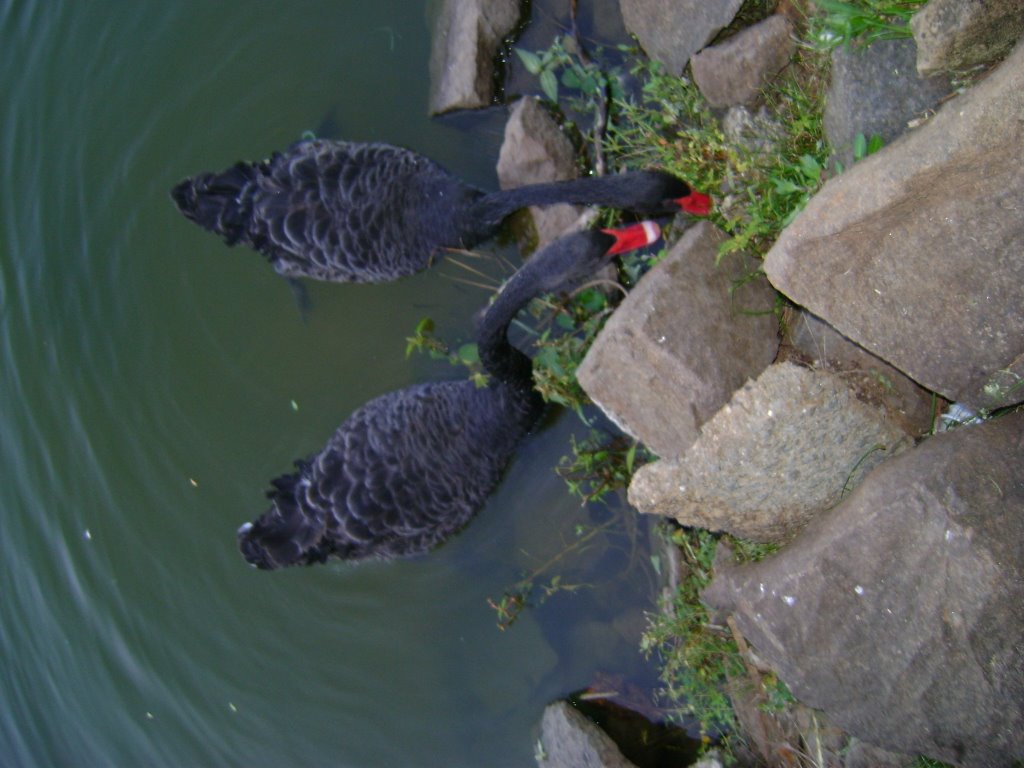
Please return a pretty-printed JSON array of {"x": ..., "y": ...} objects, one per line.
[{"x": 497, "y": 354}]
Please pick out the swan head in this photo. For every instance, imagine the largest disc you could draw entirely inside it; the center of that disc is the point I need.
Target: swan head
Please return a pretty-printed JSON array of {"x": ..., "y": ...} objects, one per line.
[
  {"x": 694, "y": 203},
  {"x": 570, "y": 259},
  {"x": 659, "y": 193}
]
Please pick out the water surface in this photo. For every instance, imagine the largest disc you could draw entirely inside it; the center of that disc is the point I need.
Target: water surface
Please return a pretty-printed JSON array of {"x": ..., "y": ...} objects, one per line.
[{"x": 154, "y": 380}]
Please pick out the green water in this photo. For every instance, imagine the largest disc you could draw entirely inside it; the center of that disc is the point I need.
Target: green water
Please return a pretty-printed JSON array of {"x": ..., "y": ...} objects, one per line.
[{"x": 153, "y": 381}]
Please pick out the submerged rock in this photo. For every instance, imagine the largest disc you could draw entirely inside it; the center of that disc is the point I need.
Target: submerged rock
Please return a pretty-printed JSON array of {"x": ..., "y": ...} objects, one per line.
[
  {"x": 535, "y": 150},
  {"x": 898, "y": 613},
  {"x": 957, "y": 34},
  {"x": 682, "y": 342},
  {"x": 736, "y": 71},
  {"x": 916, "y": 253},
  {"x": 876, "y": 90},
  {"x": 671, "y": 31},
  {"x": 467, "y": 36},
  {"x": 785, "y": 448},
  {"x": 568, "y": 739}
]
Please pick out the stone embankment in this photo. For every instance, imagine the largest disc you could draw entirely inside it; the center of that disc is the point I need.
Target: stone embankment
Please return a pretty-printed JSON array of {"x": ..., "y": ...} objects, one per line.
[{"x": 893, "y": 604}]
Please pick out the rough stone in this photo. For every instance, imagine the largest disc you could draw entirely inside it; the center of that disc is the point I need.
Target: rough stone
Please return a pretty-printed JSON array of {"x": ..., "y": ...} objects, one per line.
[
  {"x": 898, "y": 613},
  {"x": 535, "y": 150},
  {"x": 757, "y": 131},
  {"x": 916, "y": 253},
  {"x": 736, "y": 71},
  {"x": 876, "y": 90},
  {"x": 860, "y": 754},
  {"x": 874, "y": 380},
  {"x": 467, "y": 35},
  {"x": 958, "y": 34},
  {"x": 785, "y": 448},
  {"x": 671, "y": 31},
  {"x": 570, "y": 740},
  {"x": 681, "y": 343}
]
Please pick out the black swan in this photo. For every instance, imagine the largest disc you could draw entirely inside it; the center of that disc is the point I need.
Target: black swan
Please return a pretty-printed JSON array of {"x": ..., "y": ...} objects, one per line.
[
  {"x": 410, "y": 468},
  {"x": 366, "y": 213}
]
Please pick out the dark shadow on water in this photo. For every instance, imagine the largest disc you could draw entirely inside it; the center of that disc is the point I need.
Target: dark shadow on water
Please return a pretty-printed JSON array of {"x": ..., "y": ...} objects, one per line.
[{"x": 645, "y": 743}]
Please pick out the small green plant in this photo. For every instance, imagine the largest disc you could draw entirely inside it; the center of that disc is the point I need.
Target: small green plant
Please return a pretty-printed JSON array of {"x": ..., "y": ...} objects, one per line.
[
  {"x": 927, "y": 762},
  {"x": 698, "y": 657},
  {"x": 532, "y": 590},
  {"x": 569, "y": 328},
  {"x": 862, "y": 147},
  {"x": 777, "y": 695},
  {"x": 861, "y": 20},
  {"x": 588, "y": 89},
  {"x": 601, "y": 464},
  {"x": 759, "y": 186},
  {"x": 562, "y": 65},
  {"x": 424, "y": 340}
]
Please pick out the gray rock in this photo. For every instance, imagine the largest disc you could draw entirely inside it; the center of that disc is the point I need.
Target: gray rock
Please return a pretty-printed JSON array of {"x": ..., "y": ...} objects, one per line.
[
  {"x": 758, "y": 131},
  {"x": 569, "y": 740},
  {"x": 958, "y": 34},
  {"x": 899, "y": 612},
  {"x": 873, "y": 379},
  {"x": 860, "y": 754},
  {"x": 681, "y": 343},
  {"x": 467, "y": 35},
  {"x": 876, "y": 90},
  {"x": 916, "y": 253},
  {"x": 535, "y": 150},
  {"x": 736, "y": 71},
  {"x": 671, "y": 31},
  {"x": 785, "y": 448}
]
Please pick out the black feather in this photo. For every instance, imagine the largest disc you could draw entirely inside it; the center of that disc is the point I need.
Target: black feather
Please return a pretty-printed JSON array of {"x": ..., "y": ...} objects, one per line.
[
  {"x": 351, "y": 212},
  {"x": 410, "y": 468}
]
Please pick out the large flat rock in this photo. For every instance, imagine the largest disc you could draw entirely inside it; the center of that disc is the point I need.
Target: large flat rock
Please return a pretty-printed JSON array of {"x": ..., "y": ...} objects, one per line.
[
  {"x": 785, "y": 448},
  {"x": 737, "y": 71},
  {"x": 671, "y": 31},
  {"x": 957, "y": 34},
  {"x": 876, "y": 90},
  {"x": 917, "y": 252},
  {"x": 687, "y": 337},
  {"x": 899, "y": 612}
]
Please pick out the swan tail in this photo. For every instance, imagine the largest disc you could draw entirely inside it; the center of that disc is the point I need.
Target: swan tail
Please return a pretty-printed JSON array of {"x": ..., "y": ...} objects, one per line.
[
  {"x": 219, "y": 202},
  {"x": 290, "y": 532}
]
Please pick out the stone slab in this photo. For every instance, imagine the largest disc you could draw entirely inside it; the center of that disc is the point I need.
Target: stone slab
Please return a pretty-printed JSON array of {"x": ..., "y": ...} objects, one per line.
[
  {"x": 687, "y": 336},
  {"x": 916, "y": 253},
  {"x": 957, "y": 34},
  {"x": 671, "y": 31},
  {"x": 899, "y": 612},
  {"x": 784, "y": 449}
]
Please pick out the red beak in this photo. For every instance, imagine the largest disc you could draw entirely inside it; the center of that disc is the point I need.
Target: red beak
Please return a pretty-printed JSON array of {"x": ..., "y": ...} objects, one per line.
[
  {"x": 632, "y": 237},
  {"x": 695, "y": 204}
]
